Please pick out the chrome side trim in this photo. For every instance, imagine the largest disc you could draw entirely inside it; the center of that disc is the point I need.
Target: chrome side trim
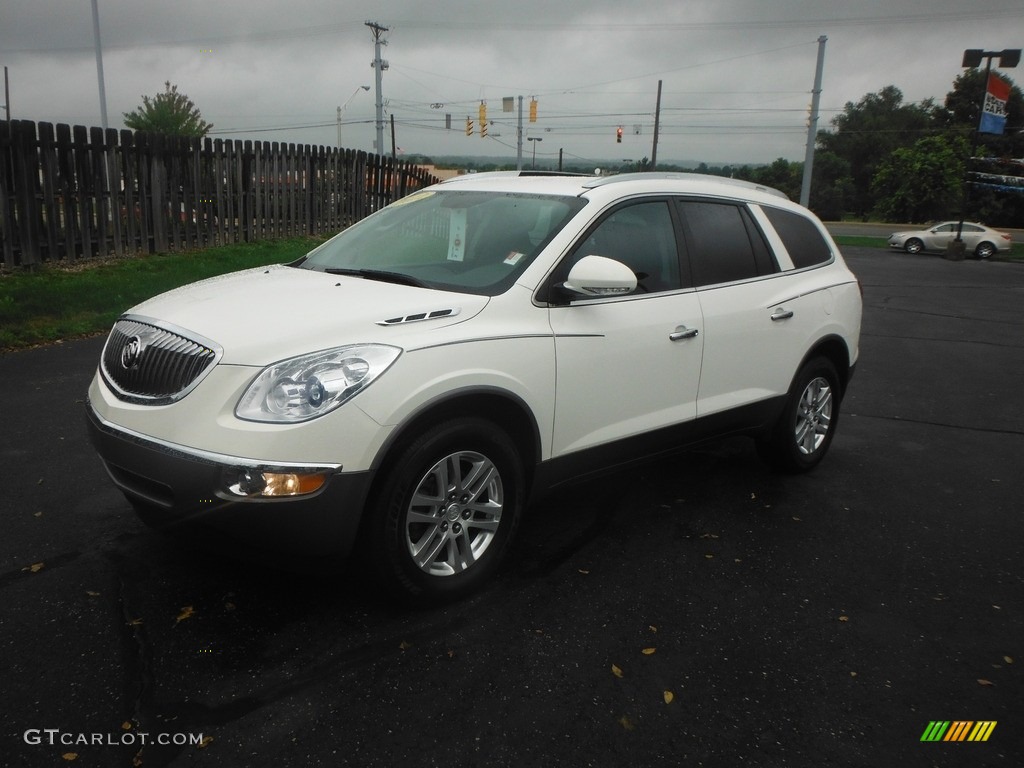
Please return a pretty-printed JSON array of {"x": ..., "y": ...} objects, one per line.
[{"x": 204, "y": 457}]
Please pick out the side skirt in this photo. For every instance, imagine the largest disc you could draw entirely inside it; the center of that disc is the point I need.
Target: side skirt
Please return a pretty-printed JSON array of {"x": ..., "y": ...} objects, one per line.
[{"x": 755, "y": 420}]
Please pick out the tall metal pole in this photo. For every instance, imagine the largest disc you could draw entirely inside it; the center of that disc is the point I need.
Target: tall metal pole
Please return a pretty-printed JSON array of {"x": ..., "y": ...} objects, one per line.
[
  {"x": 657, "y": 123},
  {"x": 378, "y": 66},
  {"x": 7, "y": 95},
  {"x": 99, "y": 63},
  {"x": 812, "y": 125},
  {"x": 519, "y": 137}
]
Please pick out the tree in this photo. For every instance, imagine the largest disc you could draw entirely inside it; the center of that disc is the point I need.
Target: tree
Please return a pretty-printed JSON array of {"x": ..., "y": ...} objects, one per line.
[
  {"x": 868, "y": 131},
  {"x": 782, "y": 174},
  {"x": 169, "y": 112},
  {"x": 831, "y": 187},
  {"x": 920, "y": 183}
]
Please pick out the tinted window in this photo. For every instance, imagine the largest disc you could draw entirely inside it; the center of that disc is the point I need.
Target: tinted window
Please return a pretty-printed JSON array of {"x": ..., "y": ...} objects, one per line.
[
  {"x": 802, "y": 239},
  {"x": 724, "y": 244},
  {"x": 642, "y": 237}
]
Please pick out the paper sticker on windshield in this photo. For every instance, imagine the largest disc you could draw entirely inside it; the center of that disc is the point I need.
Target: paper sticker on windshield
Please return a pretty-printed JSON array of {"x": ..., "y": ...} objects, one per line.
[
  {"x": 412, "y": 198},
  {"x": 513, "y": 258},
  {"x": 457, "y": 235}
]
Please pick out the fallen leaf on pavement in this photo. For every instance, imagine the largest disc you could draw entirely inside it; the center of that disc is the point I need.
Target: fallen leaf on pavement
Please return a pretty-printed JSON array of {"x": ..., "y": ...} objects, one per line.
[{"x": 186, "y": 612}]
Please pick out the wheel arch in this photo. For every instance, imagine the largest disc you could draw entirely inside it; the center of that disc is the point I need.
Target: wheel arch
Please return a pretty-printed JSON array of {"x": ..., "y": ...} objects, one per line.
[
  {"x": 836, "y": 351},
  {"x": 506, "y": 410}
]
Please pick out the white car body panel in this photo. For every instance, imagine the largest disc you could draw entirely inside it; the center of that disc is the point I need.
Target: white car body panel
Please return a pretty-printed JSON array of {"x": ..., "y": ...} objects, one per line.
[
  {"x": 255, "y": 315},
  {"x": 615, "y": 358}
]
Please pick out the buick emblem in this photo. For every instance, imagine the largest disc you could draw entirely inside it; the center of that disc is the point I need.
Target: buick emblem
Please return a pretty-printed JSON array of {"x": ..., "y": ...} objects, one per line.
[{"x": 131, "y": 353}]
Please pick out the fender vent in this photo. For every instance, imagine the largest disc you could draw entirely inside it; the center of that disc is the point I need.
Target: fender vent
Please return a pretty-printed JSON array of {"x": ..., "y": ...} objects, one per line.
[{"x": 436, "y": 314}]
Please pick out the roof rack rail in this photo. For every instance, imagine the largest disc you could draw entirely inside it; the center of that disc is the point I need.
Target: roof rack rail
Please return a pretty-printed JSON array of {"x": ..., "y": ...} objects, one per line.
[
  {"x": 621, "y": 177},
  {"x": 511, "y": 175}
]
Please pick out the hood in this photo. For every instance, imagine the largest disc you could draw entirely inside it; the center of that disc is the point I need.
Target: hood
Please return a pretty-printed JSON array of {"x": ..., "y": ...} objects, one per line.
[{"x": 267, "y": 314}]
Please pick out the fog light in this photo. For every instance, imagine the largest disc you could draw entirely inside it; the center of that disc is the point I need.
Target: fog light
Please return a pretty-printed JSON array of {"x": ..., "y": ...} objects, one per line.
[
  {"x": 291, "y": 484},
  {"x": 254, "y": 483}
]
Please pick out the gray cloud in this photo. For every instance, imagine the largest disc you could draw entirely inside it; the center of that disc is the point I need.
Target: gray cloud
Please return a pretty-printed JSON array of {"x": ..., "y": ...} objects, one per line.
[{"x": 737, "y": 74}]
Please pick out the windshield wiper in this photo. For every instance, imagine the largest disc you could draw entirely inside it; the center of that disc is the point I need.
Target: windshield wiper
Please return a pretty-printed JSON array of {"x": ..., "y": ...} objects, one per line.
[{"x": 378, "y": 274}]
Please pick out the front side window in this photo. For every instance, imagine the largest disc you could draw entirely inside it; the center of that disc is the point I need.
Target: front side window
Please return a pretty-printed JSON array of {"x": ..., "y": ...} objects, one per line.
[
  {"x": 477, "y": 242},
  {"x": 641, "y": 236}
]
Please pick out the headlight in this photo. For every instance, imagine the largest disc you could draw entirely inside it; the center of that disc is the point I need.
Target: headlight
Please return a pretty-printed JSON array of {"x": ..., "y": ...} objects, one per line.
[{"x": 305, "y": 387}]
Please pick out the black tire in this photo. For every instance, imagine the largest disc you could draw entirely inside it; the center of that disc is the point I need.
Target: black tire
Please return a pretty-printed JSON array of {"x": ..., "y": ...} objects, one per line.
[
  {"x": 985, "y": 251},
  {"x": 804, "y": 431},
  {"x": 913, "y": 245},
  {"x": 463, "y": 529}
]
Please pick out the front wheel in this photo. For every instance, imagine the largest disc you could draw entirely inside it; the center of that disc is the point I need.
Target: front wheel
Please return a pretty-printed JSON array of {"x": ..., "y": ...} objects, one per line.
[
  {"x": 805, "y": 429},
  {"x": 446, "y": 511},
  {"x": 913, "y": 245}
]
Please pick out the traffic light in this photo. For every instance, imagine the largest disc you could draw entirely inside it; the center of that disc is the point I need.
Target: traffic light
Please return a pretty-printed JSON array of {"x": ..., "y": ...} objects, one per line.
[
  {"x": 618, "y": 135},
  {"x": 533, "y": 110},
  {"x": 469, "y": 127},
  {"x": 482, "y": 114}
]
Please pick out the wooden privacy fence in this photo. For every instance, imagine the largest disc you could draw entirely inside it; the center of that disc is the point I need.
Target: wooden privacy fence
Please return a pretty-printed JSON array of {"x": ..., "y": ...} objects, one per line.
[{"x": 69, "y": 193}]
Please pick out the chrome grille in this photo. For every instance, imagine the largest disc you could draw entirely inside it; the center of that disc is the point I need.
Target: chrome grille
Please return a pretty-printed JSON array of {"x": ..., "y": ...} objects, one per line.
[{"x": 145, "y": 362}]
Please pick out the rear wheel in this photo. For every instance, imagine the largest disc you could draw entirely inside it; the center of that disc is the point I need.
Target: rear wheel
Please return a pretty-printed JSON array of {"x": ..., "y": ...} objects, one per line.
[
  {"x": 804, "y": 432},
  {"x": 913, "y": 245},
  {"x": 985, "y": 251},
  {"x": 446, "y": 511}
]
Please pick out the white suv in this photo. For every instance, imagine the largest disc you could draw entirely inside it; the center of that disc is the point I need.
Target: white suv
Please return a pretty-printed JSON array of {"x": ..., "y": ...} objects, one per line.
[{"x": 412, "y": 383}]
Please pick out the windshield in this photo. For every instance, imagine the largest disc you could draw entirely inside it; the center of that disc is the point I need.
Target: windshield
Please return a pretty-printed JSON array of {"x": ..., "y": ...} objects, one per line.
[{"x": 476, "y": 242}]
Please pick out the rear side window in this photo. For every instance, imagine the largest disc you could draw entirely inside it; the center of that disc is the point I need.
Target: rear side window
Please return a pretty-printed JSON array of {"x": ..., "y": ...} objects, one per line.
[
  {"x": 724, "y": 244},
  {"x": 802, "y": 239}
]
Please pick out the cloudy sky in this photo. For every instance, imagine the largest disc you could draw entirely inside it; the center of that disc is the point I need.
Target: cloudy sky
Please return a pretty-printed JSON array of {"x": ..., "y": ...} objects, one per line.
[{"x": 737, "y": 74}]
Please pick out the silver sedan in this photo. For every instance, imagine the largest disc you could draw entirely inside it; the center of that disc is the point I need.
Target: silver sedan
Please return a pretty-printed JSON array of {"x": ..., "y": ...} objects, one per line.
[{"x": 980, "y": 240}]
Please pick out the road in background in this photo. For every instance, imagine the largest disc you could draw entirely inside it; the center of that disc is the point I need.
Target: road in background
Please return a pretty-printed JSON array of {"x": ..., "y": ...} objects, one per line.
[{"x": 698, "y": 611}]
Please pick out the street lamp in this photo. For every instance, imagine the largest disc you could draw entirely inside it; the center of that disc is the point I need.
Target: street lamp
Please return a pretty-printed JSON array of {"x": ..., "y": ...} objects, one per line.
[
  {"x": 342, "y": 108},
  {"x": 534, "y": 138},
  {"x": 1008, "y": 58}
]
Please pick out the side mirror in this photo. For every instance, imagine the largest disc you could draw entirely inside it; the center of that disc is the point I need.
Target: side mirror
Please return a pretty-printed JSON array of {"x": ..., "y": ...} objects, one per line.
[{"x": 600, "y": 276}]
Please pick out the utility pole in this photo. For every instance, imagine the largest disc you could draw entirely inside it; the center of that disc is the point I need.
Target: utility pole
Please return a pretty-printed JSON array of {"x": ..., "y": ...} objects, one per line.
[
  {"x": 99, "y": 64},
  {"x": 812, "y": 125},
  {"x": 7, "y": 95},
  {"x": 379, "y": 65},
  {"x": 657, "y": 122},
  {"x": 519, "y": 137}
]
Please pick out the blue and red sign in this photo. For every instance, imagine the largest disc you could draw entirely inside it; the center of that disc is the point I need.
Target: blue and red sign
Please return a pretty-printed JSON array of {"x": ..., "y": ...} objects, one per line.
[{"x": 993, "y": 116}]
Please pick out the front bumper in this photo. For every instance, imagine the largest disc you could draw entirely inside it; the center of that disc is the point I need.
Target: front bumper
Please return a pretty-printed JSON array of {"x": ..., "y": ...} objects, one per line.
[{"x": 176, "y": 487}]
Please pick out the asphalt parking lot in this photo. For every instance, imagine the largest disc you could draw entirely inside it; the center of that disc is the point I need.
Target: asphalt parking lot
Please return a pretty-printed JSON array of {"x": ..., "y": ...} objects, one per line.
[{"x": 698, "y": 611}]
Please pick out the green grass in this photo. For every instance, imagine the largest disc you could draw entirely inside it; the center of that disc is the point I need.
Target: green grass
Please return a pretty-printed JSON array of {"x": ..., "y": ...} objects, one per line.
[
  {"x": 58, "y": 303},
  {"x": 861, "y": 242}
]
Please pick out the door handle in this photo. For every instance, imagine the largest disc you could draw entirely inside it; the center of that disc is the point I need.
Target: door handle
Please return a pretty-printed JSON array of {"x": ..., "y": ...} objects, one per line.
[
  {"x": 781, "y": 314},
  {"x": 682, "y": 332}
]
